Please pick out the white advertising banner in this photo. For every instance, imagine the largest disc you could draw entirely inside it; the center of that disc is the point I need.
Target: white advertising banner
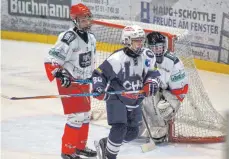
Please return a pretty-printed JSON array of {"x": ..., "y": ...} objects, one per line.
[
  {"x": 207, "y": 21},
  {"x": 107, "y": 9}
]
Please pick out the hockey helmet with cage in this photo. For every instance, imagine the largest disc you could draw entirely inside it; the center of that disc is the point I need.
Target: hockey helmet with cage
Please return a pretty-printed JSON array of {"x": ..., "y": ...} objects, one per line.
[
  {"x": 81, "y": 16},
  {"x": 157, "y": 43},
  {"x": 134, "y": 38}
]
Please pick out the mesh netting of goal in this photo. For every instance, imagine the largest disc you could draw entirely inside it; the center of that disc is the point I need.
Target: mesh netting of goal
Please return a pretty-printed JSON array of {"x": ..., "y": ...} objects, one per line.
[{"x": 196, "y": 121}]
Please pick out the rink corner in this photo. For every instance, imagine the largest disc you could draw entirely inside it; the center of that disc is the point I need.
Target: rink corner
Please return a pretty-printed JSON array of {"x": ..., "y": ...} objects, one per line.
[{"x": 51, "y": 39}]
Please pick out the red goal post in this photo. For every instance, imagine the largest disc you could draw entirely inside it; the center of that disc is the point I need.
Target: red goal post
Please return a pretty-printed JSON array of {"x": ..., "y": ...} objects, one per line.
[{"x": 171, "y": 37}]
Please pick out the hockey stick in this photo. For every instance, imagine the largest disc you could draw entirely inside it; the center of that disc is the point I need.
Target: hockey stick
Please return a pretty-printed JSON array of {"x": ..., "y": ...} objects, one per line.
[
  {"x": 151, "y": 145},
  {"x": 83, "y": 81},
  {"x": 71, "y": 95}
]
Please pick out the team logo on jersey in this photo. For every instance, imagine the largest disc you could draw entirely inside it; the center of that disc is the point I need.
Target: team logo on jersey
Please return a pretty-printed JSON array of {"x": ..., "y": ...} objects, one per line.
[
  {"x": 147, "y": 63},
  {"x": 57, "y": 53},
  {"x": 68, "y": 37},
  {"x": 178, "y": 76},
  {"x": 149, "y": 53},
  {"x": 132, "y": 85},
  {"x": 85, "y": 59}
]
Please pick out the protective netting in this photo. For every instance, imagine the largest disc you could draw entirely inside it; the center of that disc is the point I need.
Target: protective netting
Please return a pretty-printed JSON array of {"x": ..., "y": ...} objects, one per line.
[{"x": 196, "y": 120}]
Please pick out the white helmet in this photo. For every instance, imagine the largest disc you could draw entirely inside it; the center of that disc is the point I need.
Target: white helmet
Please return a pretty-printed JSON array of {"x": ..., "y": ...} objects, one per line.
[{"x": 130, "y": 33}]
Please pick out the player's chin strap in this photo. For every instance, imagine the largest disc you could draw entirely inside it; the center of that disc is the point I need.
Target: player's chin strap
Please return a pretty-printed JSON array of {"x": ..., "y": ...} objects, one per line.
[{"x": 72, "y": 95}]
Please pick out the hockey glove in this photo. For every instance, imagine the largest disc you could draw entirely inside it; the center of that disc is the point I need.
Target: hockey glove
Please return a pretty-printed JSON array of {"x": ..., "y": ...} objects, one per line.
[
  {"x": 151, "y": 87},
  {"x": 102, "y": 95},
  {"x": 64, "y": 77}
]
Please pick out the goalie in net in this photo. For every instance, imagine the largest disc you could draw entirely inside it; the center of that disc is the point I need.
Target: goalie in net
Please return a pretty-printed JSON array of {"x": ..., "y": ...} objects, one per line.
[{"x": 162, "y": 107}]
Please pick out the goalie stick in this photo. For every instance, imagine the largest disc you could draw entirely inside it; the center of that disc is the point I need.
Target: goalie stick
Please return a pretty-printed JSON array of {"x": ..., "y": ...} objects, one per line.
[
  {"x": 151, "y": 144},
  {"x": 140, "y": 92}
]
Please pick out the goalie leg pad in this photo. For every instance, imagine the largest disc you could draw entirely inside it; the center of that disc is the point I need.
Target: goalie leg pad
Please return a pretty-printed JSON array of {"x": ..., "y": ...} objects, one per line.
[
  {"x": 157, "y": 125},
  {"x": 159, "y": 133}
]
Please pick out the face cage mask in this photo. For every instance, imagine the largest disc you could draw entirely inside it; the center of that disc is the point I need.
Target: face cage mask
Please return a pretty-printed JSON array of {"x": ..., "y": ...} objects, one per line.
[{"x": 159, "y": 50}]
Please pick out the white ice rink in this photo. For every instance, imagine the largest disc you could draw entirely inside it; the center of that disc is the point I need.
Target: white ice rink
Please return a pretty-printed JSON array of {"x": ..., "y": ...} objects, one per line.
[{"x": 32, "y": 129}]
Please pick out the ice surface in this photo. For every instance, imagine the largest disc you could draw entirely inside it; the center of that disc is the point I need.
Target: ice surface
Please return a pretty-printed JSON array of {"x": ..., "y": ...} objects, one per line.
[{"x": 32, "y": 129}]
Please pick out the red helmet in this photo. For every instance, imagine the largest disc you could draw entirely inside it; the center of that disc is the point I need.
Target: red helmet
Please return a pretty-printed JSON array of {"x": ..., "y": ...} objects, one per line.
[{"x": 79, "y": 10}]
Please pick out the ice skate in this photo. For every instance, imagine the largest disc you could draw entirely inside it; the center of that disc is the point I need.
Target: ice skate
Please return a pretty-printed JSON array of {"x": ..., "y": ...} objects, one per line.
[
  {"x": 101, "y": 148},
  {"x": 87, "y": 152},
  {"x": 72, "y": 156}
]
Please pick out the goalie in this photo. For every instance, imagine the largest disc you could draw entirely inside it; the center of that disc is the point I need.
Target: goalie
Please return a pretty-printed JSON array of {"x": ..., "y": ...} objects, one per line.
[{"x": 173, "y": 88}]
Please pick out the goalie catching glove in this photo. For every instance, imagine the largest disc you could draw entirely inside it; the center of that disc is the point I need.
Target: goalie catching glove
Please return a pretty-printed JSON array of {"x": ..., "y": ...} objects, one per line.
[
  {"x": 151, "y": 87},
  {"x": 64, "y": 77}
]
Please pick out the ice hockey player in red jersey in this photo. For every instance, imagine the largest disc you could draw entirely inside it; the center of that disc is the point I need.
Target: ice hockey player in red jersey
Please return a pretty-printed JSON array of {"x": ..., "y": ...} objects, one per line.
[{"x": 71, "y": 58}]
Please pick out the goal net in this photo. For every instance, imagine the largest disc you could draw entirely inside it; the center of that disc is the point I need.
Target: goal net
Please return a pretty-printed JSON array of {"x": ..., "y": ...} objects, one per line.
[{"x": 197, "y": 120}]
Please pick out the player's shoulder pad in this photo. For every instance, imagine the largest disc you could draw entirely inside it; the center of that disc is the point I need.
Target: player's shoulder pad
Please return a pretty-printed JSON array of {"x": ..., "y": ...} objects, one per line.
[
  {"x": 172, "y": 57},
  {"x": 68, "y": 37},
  {"x": 148, "y": 53}
]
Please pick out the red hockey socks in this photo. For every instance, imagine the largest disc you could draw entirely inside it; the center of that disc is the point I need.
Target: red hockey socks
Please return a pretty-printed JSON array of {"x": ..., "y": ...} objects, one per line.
[
  {"x": 74, "y": 138},
  {"x": 83, "y": 136}
]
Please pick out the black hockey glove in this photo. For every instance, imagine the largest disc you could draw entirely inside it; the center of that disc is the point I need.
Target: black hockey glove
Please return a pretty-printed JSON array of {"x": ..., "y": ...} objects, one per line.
[{"x": 64, "y": 77}]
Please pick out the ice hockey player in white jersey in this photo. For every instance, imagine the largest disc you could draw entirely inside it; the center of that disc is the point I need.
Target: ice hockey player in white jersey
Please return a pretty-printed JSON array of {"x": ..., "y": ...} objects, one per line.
[
  {"x": 128, "y": 69},
  {"x": 173, "y": 88},
  {"x": 72, "y": 58}
]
